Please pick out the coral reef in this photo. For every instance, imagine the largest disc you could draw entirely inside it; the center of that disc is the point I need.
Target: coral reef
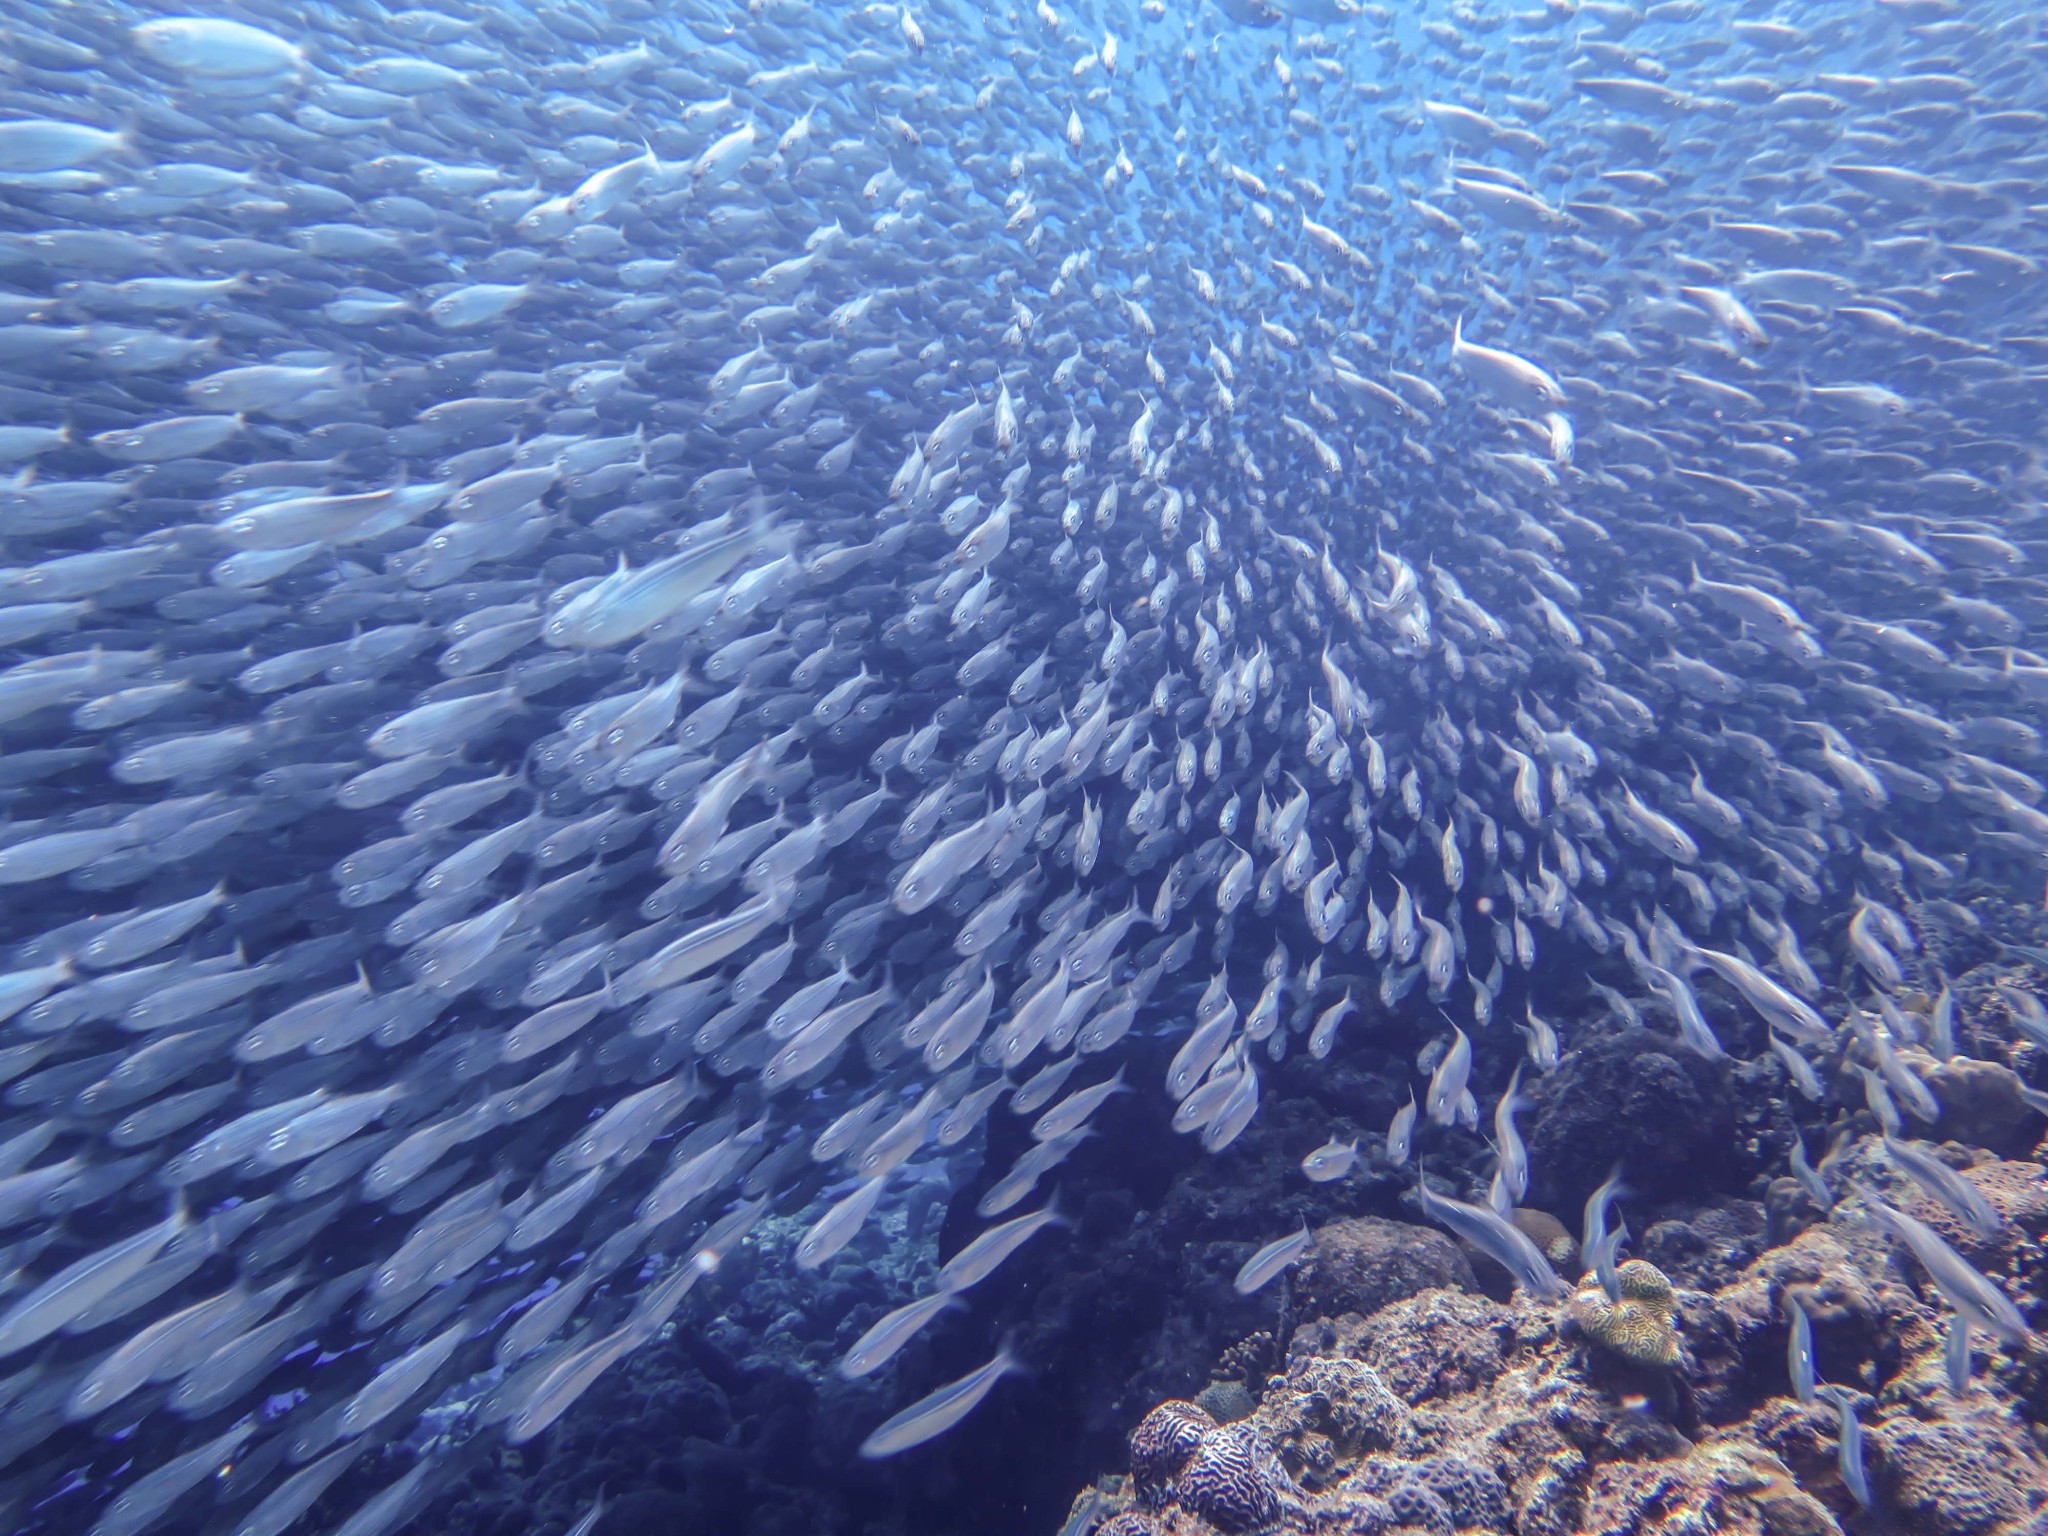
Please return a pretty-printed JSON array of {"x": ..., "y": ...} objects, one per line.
[
  {"x": 1468, "y": 1493},
  {"x": 1722, "y": 1489},
  {"x": 1710, "y": 1245},
  {"x": 1388, "y": 1350},
  {"x": 1232, "y": 1480},
  {"x": 1968, "y": 1478},
  {"x": 1445, "y": 1411},
  {"x": 1329, "y": 1411}
]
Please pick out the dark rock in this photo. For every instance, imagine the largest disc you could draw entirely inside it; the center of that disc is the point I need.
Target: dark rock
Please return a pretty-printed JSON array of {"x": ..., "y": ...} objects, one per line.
[
  {"x": 1710, "y": 1247},
  {"x": 1665, "y": 1115},
  {"x": 1364, "y": 1262},
  {"x": 1227, "y": 1401},
  {"x": 644, "y": 1511},
  {"x": 1981, "y": 1106},
  {"x": 1789, "y": 1210}
]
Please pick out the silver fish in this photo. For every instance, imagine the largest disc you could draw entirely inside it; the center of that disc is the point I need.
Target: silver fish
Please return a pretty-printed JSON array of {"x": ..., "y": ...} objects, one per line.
[
  {"x": 1272, "y": 1261},
  {"x": 938, "y": 1411},
  {"x": 1946, "y": 1185},
  {"x": 1970, "y": 1293},
  {"x": 1499, "y": 1239}
]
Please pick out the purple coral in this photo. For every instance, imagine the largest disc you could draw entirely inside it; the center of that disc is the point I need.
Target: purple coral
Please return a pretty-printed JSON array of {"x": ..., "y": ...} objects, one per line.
[
  {"x": 1475, "y": 1494},
  {"x": 1349, "y": 1400},
  {"x": 1969, "y": 1475},
  {"x": 1439, "y": 1493},
  {"x": 1347, "y": 1513},
  {"x": 1415, "y": 1504},
  {"x": 1228, "y": 1481},
  {"x": 1162, "y": 1443}
]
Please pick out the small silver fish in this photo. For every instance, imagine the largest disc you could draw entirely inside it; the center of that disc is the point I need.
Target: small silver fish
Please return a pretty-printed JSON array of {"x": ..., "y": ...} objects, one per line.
[
  {"x": 1447, "y": 1083},
  {"x": 1498, "y": 1238},
  {"x": 1401, "y": 1133},
  {"x": 1799, "y": 1349},
  {"x": 1849, "y": 1443},
  {"x": 876, "y": 1347},
  {"x": 1955, "y": 1355},
  {"x": 1331, "y": 1161},
  {"x": 1946, "y": 1185},
  {"x": 932, "y": 1415},
  {"x": 1594, "y": 1239},
  {"x": 1969, "y": 1292},
  {"x": 1272, "y": 1260}
]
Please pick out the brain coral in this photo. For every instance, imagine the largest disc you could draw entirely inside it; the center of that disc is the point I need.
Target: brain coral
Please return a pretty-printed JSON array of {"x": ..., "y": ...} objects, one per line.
[
  {"x": 1162, "y": 1443},
  {"x": 1229, "y": 1481},
  {"x": 1642, "y": 1325}
]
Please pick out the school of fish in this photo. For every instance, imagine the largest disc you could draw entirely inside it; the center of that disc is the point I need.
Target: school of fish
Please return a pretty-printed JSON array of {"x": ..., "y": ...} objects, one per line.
[{"x": 617, "y": 617}]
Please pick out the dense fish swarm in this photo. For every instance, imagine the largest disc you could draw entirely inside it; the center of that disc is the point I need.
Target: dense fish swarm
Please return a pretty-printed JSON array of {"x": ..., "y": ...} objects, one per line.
[{"x": 618, "y": 617}]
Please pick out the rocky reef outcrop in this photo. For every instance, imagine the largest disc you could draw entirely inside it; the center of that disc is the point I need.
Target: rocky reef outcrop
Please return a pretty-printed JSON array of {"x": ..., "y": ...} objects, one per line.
[{"x": 1671, "y": 1412}]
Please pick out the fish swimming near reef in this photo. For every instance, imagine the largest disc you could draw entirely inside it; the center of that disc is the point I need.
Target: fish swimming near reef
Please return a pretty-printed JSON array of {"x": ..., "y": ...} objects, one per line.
[{"x": 620, "y": 623}]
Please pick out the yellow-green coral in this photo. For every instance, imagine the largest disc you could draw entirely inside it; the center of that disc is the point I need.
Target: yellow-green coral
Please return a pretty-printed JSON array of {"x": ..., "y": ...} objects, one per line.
[{"x": 1642, "y": 1325}]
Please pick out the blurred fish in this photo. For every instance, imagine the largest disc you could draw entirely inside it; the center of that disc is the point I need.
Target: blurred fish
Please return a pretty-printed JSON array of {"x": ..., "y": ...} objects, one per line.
[
  {"x": 1849, "y": 1443},
  {"x": 938, "y": 1412},
  {"x": 1498, "y": 1238},
  {"x": 1946, "y": 1185},
  {"x": 1272, "y": 1260},
  {"x": 1799, "y": 1349},
  {"x": 1972, "y": 1294}
]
